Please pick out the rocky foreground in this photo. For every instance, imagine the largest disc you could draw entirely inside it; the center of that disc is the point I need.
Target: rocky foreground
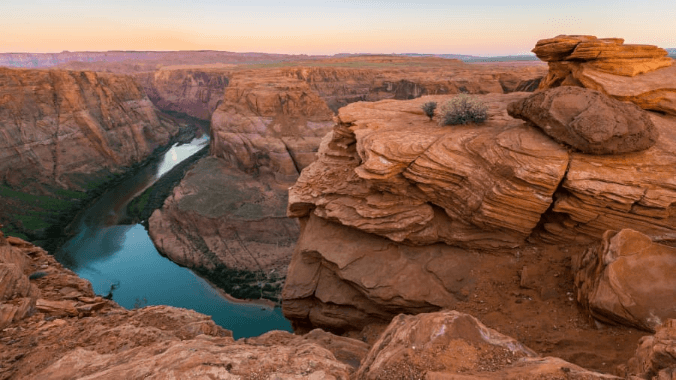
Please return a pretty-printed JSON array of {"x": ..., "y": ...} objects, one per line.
[{"x": 52, "y": 326}]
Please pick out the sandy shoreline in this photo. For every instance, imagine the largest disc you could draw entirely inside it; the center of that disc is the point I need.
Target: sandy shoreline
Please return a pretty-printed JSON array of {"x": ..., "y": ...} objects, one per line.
[{"x": 262, "y": 302}]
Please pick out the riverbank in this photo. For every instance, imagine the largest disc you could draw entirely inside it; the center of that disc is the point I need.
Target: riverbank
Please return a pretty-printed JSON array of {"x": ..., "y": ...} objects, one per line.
[{"x": 260, "y": 301}]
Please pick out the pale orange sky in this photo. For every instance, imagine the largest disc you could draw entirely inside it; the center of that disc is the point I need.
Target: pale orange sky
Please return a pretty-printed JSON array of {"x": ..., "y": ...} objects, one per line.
[{"x": 324, "y": 27}]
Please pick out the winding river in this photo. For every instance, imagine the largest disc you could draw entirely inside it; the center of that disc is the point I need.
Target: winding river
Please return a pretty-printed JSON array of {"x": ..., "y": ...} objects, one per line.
[{"x": 123, "y": 257}]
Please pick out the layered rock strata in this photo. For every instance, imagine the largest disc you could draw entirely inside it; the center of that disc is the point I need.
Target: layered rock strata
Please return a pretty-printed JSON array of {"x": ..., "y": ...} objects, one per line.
[
  {"x": 385, "y": 170},
  {"x": 635, "y": 190},
  {"x": 642, "y": 74},
  {"x": 267, "y": 129},
  {"x": 265, "y": 124},
  {"x": 627, "y": 279},
  {"x": 587, "y": 120}
]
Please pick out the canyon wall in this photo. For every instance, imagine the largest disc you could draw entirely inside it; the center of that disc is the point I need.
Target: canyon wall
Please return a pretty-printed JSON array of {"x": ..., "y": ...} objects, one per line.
[
  {"x": 65, "y": 131},
  {"x": 195, "y": 92}
]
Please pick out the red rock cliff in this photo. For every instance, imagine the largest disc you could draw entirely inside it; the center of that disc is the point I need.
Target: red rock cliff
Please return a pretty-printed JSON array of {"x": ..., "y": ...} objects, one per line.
[{"x": 59, "y": 126}]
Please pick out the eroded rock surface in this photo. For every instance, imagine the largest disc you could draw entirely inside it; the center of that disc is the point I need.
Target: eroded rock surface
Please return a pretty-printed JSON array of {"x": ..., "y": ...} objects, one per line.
[
  {"x": 642, "y": 74},
  {"x": 387, "y": 170},
  {"x": 587, "y": 120},
  {"x": 452, "y": 345},
  {"x": 628, "y": 279},
  {"x": 264, "y": 121},
  {"x": 348, "y": 279}
]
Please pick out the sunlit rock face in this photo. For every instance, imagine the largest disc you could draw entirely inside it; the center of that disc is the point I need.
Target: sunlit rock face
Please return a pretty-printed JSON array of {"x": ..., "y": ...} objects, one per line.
[
  {"x": 229, "y": 210},
  {"x": 387, "y": 170}
]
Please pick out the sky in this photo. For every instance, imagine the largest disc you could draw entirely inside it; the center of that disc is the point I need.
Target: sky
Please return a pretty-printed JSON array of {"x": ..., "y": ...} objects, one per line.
[{"x": 473, "y": 27}]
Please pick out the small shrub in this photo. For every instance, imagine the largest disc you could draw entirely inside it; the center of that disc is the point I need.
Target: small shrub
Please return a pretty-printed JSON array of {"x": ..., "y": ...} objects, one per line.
[
  {"x": 463, "y": 109},
  {"x": 429, "y": 108}
]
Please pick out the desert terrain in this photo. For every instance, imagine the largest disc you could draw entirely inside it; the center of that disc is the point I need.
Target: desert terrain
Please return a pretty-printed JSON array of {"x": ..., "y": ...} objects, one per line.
[{"x": 539, "y": 243}]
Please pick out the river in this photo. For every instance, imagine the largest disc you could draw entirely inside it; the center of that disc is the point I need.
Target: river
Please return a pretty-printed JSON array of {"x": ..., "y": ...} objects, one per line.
[{"x": 123, "y": 256}]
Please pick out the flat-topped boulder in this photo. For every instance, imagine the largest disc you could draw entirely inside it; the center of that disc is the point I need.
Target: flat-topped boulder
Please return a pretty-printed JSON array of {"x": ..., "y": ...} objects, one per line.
[
  {"x": 587, "y": 120},
  {"x": 642, "y": 74},
  {"x": 628, "y": 279},
  {"x": 609, "y": 55}
]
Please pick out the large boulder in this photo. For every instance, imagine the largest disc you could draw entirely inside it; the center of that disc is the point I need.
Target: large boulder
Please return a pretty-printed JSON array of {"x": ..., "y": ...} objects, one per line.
[
  {"x": 450, "y": 345},
  {"x": 628, "y": 279},
  {"x": 587, "y": 120},
  {"x": 642, "y": 74}
]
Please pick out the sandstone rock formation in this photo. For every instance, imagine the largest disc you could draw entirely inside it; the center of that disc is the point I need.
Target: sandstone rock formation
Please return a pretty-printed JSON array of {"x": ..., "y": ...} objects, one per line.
[
  {"x": 628, "y": 279},
  {"x": 392, "y": 187},
  {"x": 656, "y": 355},
  {"x": 386, "y": 170},
  {"x": 104, "y": 341},
  {"x": 642, "y": 74},
  {"x": 59, "y": 126},
  {"x": 587, "y": 120},
  {"x": 452, "y": 345},
  {"x": 193, "y": 91},
  {"x": 264, "y": 122}
]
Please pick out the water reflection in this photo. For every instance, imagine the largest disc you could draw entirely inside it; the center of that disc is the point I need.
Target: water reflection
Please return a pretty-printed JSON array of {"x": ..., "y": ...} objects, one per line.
[{"x": 109, "y": 254}]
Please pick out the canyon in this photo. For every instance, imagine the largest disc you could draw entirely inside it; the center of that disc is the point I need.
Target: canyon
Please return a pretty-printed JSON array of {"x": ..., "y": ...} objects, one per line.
[
  {"x": 537, "y": 244},
  {"x": 229, "y": 212}
]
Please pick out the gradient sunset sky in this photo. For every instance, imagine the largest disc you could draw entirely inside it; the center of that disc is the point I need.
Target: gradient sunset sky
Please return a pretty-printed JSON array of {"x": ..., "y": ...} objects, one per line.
[{"x": 476, "y": 27}]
